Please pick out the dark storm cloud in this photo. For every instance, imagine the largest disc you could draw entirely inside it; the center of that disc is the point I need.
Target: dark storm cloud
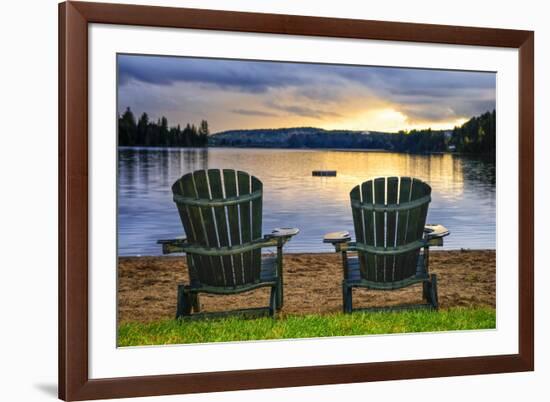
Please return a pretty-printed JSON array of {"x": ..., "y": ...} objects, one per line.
[
  {"x": 425, "y": 81},
  {"x": 242, "y": 76}
]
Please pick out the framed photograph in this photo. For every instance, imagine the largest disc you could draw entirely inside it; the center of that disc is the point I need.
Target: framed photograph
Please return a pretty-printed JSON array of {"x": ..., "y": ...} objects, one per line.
[{"x": 260, "y": 200}]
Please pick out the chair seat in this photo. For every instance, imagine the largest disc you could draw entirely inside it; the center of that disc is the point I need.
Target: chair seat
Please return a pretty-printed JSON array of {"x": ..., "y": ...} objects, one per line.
[
  {"x": 354, "y": 276},
  {"x": 268, "y": 275}
]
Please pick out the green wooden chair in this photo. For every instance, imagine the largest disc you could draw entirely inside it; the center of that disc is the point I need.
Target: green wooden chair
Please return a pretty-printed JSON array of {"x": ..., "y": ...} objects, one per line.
[
  {"x": 389, "y": 216},
  {"x": 221, "y": 213}
]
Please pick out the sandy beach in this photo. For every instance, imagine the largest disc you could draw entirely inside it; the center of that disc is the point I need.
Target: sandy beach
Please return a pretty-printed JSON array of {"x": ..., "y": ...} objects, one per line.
[{"x": 147, "y": 285}]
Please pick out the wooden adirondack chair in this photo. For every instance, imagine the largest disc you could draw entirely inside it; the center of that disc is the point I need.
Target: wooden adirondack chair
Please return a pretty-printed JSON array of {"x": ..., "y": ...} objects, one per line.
[
  {"x": 221, "y": 213},
  {"x": 389, "y": 216}
]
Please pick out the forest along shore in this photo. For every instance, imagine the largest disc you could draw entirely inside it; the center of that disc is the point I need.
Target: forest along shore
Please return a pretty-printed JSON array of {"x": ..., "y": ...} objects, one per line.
[{"x": 312, "y": 284}]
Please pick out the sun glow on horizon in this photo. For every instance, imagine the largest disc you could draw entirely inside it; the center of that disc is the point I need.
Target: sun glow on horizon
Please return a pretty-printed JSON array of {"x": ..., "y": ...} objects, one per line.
[{"x": 390, "y": 120}]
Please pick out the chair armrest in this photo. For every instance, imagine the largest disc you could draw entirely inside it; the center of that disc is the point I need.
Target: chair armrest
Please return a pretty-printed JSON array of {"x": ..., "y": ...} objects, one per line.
[
  {"x": 284, "y": 234},
  {"x": 225, "y": 251},
  {"x": 434, "y": 234},
  {"x": 170, "y": 246},
  {"x": 381, "y": 250},
  {"x": 180, "y": 245},
  {"x": 338, "y": 239}
]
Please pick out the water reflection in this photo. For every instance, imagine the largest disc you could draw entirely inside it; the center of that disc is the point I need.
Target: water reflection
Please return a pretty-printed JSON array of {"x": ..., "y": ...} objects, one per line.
[{"x": 463, "y": 191}]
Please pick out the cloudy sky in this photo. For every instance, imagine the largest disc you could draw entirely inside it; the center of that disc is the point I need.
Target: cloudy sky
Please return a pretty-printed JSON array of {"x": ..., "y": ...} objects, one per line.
[{"x": 235, "y": 94}]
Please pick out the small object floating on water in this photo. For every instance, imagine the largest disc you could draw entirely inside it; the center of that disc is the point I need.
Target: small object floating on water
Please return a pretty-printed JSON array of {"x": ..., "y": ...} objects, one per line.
[{"x": 323, "y": 173}]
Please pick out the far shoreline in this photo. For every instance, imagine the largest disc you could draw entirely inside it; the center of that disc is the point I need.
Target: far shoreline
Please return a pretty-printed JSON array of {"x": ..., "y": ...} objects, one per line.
[{"x": 365, "y": 150}]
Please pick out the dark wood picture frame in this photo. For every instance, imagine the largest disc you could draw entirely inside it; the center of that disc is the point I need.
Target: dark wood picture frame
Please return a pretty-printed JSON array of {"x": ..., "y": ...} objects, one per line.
[{"x": 74, "y": 382}]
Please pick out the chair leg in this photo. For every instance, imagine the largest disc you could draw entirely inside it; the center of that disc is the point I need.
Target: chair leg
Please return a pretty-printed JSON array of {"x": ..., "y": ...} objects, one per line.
[
  {"x": 429, "y": 291},
  {"x": 434, "y": 296},
  {"x": 196, "y": 303},
  {"x": 279, "y": 298},
  {"x": 347, "y": 298},
  {"x": 184, "y": 303},
  {"x": 273, "y": 300},
  {"x": 426, "y": 290}
]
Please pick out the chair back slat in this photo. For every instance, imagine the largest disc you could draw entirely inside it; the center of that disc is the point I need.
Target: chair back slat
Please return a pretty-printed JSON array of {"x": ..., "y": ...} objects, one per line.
[
  {"x": 389, "y": 214},
  {"x": 367, "y": 195},
  {"x": 184, "y": 213},
  {"x": 380, "y": 227},
  {"x": 402, "y": 225},
  {"x": 216, "y": 192},
  {"x": 221, "y": 209},
  {"x": 417, "y": 221},
  {"x": 191, "y": 218},
  {"x": 230, "y": 182},
  {"x": 256, "y": 216},
  {"x": 243, "y": 180},
  {"x": 209, "y": 224},
  {"x": 358, "y": 222},
  {"x": 391, "y": 227}
]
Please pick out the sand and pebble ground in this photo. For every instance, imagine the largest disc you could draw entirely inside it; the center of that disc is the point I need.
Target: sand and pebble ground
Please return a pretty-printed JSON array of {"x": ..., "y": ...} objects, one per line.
[{"x": 147, "y": 285}]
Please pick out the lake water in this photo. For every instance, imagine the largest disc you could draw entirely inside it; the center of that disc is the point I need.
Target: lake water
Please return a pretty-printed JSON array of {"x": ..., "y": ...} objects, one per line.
[{"x": 463, "y": 192}]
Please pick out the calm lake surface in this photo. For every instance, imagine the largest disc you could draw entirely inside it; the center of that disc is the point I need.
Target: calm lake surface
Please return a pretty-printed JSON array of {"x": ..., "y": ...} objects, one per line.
[{"x": 463, "y": 192}]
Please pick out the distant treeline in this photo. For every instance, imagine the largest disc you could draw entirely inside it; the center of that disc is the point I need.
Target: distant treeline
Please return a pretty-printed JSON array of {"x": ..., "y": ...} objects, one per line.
[
  {"x": 476, "y": 136},
  {"x": 416, "y": 141},
  {"x": 309, "y": 137},
  {"x": 158, "y": 134}
]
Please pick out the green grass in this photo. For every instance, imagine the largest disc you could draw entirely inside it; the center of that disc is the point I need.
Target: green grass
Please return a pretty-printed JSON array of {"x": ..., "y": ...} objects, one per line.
[{"x": 311, "y": 326}]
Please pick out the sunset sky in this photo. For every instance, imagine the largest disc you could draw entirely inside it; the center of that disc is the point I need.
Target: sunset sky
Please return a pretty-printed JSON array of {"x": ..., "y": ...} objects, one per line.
[{"x": 235, "y": 94}]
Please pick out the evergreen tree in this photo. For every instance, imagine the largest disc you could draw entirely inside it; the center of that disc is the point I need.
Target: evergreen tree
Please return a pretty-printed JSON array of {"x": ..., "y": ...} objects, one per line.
[
  {"x": 164, "y": 139},
  {"x": 127, "y": 128},
  {"x": 159, "y": 134},
  {"x": 203, "y": 133},
  {"x": 477, "y": 135},
  {"x": 143, "y": 123}
]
